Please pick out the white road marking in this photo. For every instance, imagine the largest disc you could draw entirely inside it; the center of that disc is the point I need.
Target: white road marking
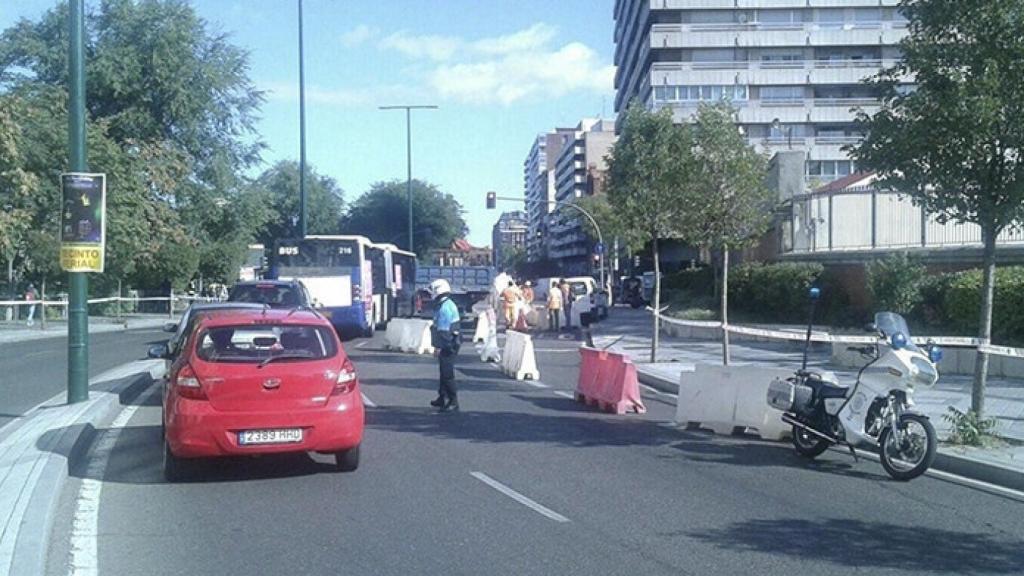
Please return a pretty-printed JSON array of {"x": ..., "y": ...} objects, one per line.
[
  {"x": 565, "y": 395},
  {"x": 85, "y": 522},
  {"x": 367, "y": 401},
  {"x": 538, "y": 508},
  {"x": 363, "y": 343},
  {"x": 950, "y": 477},
  {"x": 536, "y": 383}
]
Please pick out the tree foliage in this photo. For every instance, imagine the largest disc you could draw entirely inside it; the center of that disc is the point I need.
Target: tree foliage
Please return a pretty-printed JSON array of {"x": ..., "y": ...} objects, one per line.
[
  {"x": 382, "y": 214},
  {"x": 171, "y": 115},
  {"x": 277, "y": 189},
  {"x": 954, "y": 141}
]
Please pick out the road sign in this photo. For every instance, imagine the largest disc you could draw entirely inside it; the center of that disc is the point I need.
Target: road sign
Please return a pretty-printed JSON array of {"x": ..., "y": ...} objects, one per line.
[
  {"x": 599, "y": 248},
  {"x": 83, "y": 222}
]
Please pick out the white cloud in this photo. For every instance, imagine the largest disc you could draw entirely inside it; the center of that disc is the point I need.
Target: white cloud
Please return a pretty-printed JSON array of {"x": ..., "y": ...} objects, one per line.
[
  {"x": 359, "y": 35},
  {"x": 507, "y": 68},
  {"x": 428, "y": 46},
  {"x": 368, "y": 96}
]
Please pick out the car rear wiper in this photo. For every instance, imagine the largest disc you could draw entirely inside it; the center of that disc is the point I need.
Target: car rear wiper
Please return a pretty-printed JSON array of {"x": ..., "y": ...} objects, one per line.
[{"x": 290, "y": 356}]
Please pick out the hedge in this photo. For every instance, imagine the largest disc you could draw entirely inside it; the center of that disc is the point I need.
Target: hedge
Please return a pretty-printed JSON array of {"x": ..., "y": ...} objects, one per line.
[
  {"x": 961, "y": 303},
  {"x": 773, "y": 292}
]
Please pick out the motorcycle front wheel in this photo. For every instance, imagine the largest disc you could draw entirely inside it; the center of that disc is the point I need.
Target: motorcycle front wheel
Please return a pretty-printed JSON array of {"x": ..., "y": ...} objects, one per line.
[
  {"x": 807, "y": 444},
  {"x": 913, "y": 456}
]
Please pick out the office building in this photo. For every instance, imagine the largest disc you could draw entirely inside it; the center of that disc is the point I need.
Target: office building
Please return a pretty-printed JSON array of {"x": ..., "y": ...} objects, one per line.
[
  {"x": 539, "y": 188},
  {"x": 508, "y": 234}
]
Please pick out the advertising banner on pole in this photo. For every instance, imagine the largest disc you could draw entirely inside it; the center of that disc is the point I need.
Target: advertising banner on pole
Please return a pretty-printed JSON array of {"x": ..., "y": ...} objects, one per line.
[{"x": 83, "y": 221}]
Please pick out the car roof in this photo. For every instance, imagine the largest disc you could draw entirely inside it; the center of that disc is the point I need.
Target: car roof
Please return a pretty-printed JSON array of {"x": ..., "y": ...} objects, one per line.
[
  {"x": 209, "y": 306},
  {"x": 267, "y": 283},
  {"x": 266, "y": 315}
]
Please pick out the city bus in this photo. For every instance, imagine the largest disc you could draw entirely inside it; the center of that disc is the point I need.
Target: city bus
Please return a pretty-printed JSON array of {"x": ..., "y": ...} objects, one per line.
[
  {"x": 398, "y": 297},
  {"x": 338, "y": 274}
]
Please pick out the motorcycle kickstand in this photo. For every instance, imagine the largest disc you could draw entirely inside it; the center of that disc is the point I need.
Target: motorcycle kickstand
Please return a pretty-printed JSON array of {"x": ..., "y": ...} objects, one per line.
[{"x": 856, "y": 459}]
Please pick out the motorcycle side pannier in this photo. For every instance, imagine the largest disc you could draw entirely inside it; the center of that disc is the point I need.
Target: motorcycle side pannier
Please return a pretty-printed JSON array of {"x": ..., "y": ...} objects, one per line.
[{"x": 788, "y": 397}]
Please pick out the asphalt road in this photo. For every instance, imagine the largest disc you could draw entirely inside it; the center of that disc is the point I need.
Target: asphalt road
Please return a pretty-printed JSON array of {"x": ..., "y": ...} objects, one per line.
[
  {"x": 526, "y": 481},
  {"x": 34, "y": 371}
]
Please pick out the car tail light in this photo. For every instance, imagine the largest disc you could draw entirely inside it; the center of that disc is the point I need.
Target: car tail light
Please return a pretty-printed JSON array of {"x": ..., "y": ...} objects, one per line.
[
  {"x": 188, "y": 384},
  {"x": 346, "y": 379}
]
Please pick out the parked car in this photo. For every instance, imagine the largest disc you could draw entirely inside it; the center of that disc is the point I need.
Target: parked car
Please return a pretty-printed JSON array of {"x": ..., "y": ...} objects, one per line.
[
  {"x": 274, "y": 293},
  {"x": 249, "y": 382}
]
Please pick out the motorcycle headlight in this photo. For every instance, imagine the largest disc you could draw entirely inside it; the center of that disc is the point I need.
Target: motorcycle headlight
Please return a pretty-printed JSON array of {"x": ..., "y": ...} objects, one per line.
[{"x": 924, "y": 371}]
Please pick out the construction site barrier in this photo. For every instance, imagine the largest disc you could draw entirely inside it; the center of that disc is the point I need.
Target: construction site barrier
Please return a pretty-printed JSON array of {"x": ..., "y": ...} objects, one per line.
[
  {"x": 609, "y": 381},
  {"x": 518, "y": 360},
  {"x": 730, "y": 399},
  {"x": 409, "y": 335}
]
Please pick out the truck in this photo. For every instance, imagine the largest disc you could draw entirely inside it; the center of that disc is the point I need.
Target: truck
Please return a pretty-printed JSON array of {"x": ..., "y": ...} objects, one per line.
[{"x": 470, "y": 284}]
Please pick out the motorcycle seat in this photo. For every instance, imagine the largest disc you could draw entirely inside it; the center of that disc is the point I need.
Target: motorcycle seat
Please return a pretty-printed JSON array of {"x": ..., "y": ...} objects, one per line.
[
  {"x": 827, "y": 384},
  {"x": 832, "y": 391}
]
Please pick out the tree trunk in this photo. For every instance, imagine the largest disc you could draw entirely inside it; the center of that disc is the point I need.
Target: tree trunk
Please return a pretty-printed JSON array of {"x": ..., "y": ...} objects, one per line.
[
  {"x": 725, "y": 306},
  {"x": 657, "y": 301},
  {"x": 985, "y": 325}
]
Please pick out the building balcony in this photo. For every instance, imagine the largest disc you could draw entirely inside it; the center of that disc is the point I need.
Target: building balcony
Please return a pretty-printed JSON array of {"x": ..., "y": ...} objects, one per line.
[
  {"x": 757, "y": 73},
  {"x": 758, "y": 35}
]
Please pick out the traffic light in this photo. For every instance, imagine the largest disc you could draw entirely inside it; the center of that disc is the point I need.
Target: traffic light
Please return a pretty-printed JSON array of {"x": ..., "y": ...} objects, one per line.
[{"x": 492, "y": 200}]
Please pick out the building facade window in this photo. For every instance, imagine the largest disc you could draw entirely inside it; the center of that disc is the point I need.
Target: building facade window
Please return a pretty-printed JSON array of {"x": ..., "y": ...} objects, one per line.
[
  {"x": 734, "y": 92},
  {"x": 829, "y": 169}
]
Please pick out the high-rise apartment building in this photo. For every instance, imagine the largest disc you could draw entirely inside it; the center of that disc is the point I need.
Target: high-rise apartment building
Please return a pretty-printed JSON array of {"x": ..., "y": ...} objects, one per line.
[
  {"x": 539, "y": 188},
  {"x": 793, "y": 68},
  {"x": 579, "y": 171}
]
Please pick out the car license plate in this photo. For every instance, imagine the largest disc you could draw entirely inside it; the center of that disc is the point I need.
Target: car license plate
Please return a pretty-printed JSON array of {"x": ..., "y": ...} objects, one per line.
[{"x": 277, "y": 436}]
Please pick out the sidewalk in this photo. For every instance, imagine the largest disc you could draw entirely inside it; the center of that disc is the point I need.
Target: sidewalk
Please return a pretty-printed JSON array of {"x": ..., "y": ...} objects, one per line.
[
  {"x": 19, "y": 332},
  {"x": 1004, "y": 397},
  {"x": 38, "y": 450}
]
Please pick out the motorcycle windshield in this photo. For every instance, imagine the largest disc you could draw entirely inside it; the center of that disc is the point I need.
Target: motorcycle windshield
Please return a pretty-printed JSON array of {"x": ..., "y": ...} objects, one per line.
[{"x": 889, "y": 323}]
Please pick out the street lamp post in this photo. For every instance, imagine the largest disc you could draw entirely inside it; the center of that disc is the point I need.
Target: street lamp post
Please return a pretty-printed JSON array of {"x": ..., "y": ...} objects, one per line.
[
  {"x": 408, "y": 156},
  {"x": 302, "y": 131},
  {"x": 78, "y": 282}
]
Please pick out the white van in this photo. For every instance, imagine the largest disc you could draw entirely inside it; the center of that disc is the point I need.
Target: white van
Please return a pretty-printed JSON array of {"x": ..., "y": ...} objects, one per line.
[{"x": 584, "y": 291}]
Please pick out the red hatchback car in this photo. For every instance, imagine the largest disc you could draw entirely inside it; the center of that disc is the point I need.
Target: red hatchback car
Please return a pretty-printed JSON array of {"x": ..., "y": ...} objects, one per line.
[{"x": 261, "y": 382}]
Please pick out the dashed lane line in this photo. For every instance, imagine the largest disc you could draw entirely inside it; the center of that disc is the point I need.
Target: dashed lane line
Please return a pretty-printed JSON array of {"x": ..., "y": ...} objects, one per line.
[
  {"x": 564, "y": 394},
  {"x": 367, "y": 401},
  {"x": 531, "y": 504}
]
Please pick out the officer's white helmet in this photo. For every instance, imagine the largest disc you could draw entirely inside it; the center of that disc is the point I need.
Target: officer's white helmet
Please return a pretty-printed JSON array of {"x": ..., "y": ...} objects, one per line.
[{"x": 440, "y": 287}]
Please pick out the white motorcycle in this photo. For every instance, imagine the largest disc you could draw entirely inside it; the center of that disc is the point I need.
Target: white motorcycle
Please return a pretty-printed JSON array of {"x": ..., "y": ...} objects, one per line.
[{"x": 877, "y": 411}]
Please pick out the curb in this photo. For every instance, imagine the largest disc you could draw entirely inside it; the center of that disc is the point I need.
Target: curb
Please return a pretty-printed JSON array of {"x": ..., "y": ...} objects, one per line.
[
  {"x": 64, "y": 453},
  {"x": 946, "y": 460}
]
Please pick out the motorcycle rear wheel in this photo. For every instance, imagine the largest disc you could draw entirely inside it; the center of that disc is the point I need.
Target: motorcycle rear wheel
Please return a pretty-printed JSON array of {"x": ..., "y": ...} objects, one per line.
[
  {"x": 921, "y": 450},
  {"x": 807, "y": 444}
]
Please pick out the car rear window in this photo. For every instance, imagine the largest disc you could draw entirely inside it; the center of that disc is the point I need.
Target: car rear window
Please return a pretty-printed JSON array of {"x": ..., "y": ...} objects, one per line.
[
  {"x": 275, "y": 295},
  {"x": 258, "y": 343}
]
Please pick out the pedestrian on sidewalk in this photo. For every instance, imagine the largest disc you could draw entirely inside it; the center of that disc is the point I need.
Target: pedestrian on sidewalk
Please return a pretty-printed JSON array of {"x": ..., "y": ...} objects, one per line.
[
  {"x": 31, "y": 296},
  {"x": 554, "y": 308},
  {"x": 446, "y": 339},
  {"x": 563, "y": 285}
]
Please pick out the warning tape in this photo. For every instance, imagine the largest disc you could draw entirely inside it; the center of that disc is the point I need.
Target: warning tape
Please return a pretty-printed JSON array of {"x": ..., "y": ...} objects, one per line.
[{"x": 822, "y": 337}]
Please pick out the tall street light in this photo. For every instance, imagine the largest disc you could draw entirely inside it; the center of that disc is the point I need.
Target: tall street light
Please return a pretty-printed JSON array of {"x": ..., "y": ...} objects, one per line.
[
  {"x": 302, "y": 132},
  {"x": 408, "y": 155},
  {"x": 78, "y": 282}
]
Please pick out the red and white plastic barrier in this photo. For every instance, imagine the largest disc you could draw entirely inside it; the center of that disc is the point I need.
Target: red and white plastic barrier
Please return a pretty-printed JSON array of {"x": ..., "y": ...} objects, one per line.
[
  {"x": 609, "y": 380},
  {"x": 518, "y": 360}
]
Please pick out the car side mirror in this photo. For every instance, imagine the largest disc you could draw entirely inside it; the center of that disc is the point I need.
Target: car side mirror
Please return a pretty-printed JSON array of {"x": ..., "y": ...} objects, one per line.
[
  {"x": 158, "y": 352},
  {"x": 170, "y": 327}
]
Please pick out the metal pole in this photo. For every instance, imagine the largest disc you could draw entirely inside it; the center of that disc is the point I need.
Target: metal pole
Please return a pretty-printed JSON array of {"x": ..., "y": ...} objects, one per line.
[
  {"x": 408, "y": 173},
  {"x": 78, "y": 282},
  {"x": 302, "y": 131}
]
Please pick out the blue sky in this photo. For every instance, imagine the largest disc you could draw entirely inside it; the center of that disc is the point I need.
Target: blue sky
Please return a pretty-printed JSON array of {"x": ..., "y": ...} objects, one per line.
[{"x": 501, "y": 71}]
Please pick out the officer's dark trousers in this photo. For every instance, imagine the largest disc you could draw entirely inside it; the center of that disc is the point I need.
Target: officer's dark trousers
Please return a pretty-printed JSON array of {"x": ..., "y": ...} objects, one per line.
[{"x": 447, "y": 388}]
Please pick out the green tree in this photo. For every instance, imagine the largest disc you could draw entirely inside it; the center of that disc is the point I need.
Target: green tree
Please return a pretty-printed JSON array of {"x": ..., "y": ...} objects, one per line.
[
  {"x": 646, "y": 171},
  {"x": 381, "y": 214},
  {"x": 728, "y": 204},
  {"x": 953, "y": 142},
  {"x": 171, "y": 115},
  {"x": 513, "y": 259},
  {"x": 895, "y": 282},
  {"x": 278, "y": 189}
]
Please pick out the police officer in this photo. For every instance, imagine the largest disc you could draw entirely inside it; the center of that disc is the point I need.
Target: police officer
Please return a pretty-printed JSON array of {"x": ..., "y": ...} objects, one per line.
[{"x": 446, "y": 340}]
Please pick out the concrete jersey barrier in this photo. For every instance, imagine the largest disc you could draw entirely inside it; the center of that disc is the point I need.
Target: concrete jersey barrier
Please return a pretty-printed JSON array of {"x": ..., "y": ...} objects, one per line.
[
  {"x": 409, "y": 335},
  {"x": 518, "y": 360},
  {"x": 726, "y": 398}
]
